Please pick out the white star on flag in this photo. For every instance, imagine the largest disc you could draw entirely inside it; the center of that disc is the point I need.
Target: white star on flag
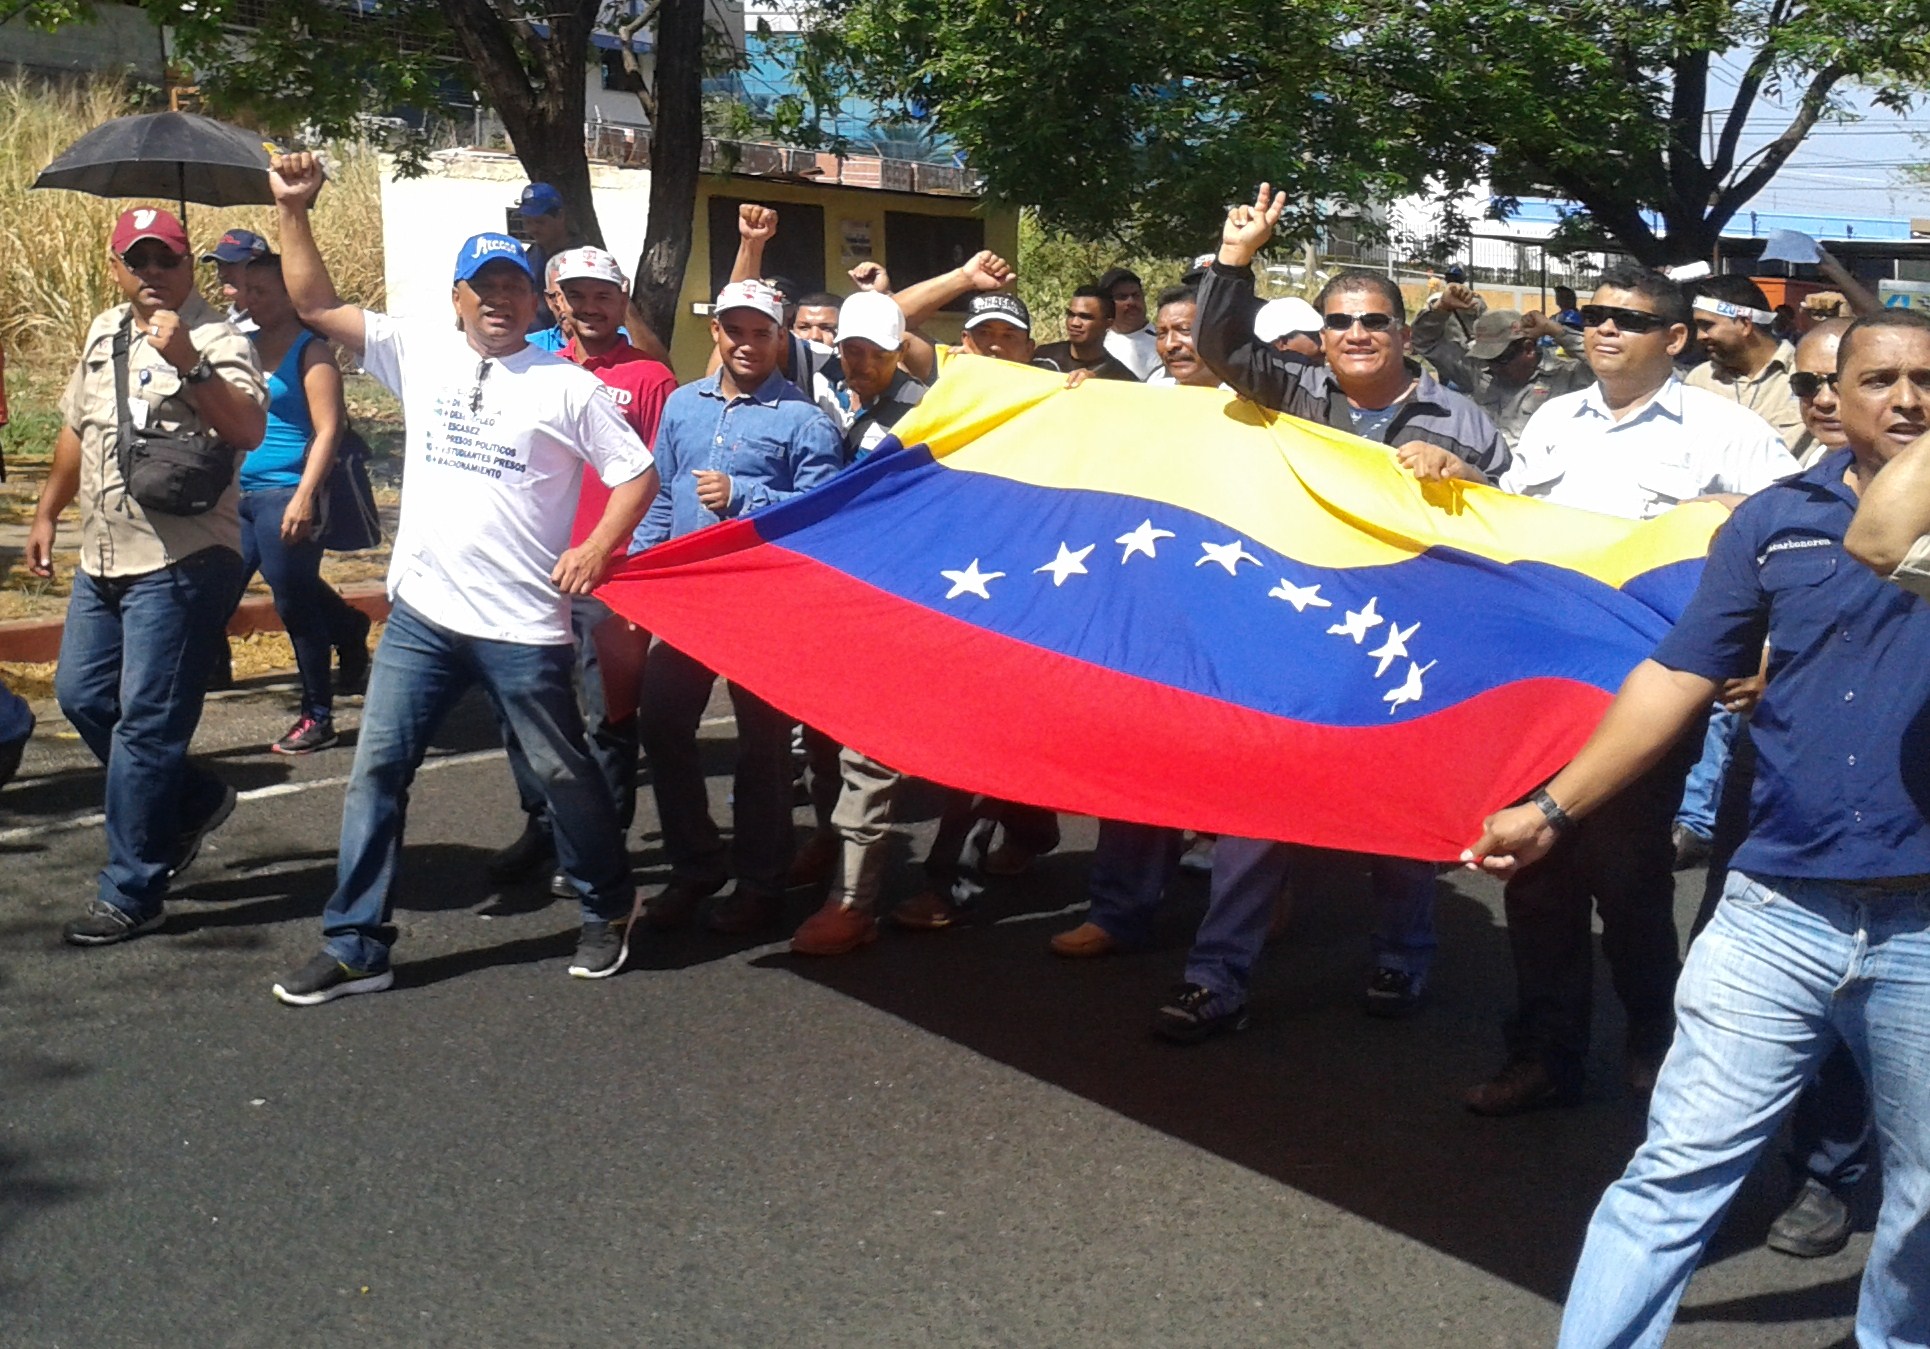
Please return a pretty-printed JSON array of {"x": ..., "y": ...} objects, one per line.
[
  {"x": 1142, "y": 540},
  {"x": 1410, "y": 689},
  {"x": 971, "y": 581},
  {"x": 1300, "y": 597},
  {"x": 1228, "y": 555},
  {"x": 1358, "y": 622},
  {"x": 1394, "y": 648},
  {"x": 1067, "y": 563}
]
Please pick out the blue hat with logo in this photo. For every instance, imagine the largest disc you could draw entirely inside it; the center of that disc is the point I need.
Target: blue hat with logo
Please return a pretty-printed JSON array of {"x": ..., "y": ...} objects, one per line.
[
  {"x": 540, "y": 199},
  {"x": 479, "y": 250},
  {"x": 237, "y": 246}
]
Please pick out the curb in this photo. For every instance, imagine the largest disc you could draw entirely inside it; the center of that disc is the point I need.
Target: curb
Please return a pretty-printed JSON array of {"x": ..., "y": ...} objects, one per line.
[{"x": 36, "y": 640}]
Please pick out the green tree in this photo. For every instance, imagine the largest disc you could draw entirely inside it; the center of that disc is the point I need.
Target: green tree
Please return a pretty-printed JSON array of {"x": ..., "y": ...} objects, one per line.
[{"x": 1141, "y": 120}]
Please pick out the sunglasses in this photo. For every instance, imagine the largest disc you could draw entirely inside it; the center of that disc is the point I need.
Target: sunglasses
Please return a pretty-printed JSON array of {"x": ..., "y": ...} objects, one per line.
[
  {"x": 1373, "y": 323},
  {"x": 1806, "y": 385},
  {"x": 1627, "y": 320},
  {"x": 140, "y": 259}
]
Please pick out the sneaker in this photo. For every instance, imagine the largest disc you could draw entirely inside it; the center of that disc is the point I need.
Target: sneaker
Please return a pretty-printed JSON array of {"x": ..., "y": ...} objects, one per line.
[
  {"x": 352, "y": 663},
  {"x": 325, "y": 979},
  {"x": 560, "y": 887},
  {"x": 1195, "y": 1012},
  {"x": 1198, "y": 859},
  {"x": 601, "y": 949},
  {"x": 815, "y": 861},
  {"x": 1816, "y": 1223},
  {"x": 676, "y": 904},
  {"x": 533, "y": 848},
  {"x": 1691, "y": 849},
  {"x": 306, "y": 736},
  {"x": 103, "y": 925},
  {"x": 190, "y": 846},
  {"x": 1393, "y": 993},
  {"x": 834, "y": 930},
  {"x": 927, "y": 912},
  {"x": 742, "y": 912},
  {"x": 1521, "y": 1086}
]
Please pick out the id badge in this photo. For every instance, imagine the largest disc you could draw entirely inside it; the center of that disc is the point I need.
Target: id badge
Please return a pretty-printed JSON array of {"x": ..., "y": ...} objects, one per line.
[{"x": 137, "y": 413}]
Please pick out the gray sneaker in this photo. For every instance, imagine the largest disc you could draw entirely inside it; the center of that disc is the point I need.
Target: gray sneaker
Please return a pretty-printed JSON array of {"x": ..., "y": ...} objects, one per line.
[
  {"x": 325, "y": 979},
  {"x": 104, "y": 925},
  {"x": 600, "y": 950}
]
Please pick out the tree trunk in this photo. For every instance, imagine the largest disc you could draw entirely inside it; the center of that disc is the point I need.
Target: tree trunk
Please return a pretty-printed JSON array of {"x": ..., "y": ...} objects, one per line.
[{"x": 676, "y": 144}]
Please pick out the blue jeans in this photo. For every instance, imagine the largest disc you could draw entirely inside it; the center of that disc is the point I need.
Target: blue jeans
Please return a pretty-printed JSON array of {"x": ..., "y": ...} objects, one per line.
[
  {"x": 16, "y": 718},
  {"x": 1702, "y": 791},
  {"x": 420, "y": 671},
  {"x": 612, "y": 745},
  {"x": 134, "y": 660},
  {"x": 315, "y": 617},
  {"x": 1785, "y": 970},
  {"x": 1132, "y": 864}
]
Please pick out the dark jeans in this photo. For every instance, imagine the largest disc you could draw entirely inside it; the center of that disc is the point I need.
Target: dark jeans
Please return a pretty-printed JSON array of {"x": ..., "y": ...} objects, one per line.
[
  {"x": 676, "y": 689},
  {"x": 1830, "y": 1128},
  {"x": 421, "y": 669},
  {"x": 134, "y": 661},
  {"x": 612, "y": 745},
  {"x": 1622, "y": 859},
  {"x": 316, "y": 618}
]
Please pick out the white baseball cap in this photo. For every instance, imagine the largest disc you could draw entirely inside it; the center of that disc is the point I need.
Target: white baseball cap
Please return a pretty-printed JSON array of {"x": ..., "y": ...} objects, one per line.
[
  {"x": 874, "y": 318},
  {"x": 588, "y": 264},
  {"x": 751, "y": 295},
  {"x": 1284, "y": 317}
]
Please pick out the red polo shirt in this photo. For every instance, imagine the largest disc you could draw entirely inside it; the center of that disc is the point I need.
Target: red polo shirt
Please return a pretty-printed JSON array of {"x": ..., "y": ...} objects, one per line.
[{"x": 638, "y": 386}]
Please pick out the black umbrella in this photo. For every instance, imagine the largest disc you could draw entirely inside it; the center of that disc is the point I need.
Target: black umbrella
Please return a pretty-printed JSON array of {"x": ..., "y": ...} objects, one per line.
[{"x": 166, "y": 154}]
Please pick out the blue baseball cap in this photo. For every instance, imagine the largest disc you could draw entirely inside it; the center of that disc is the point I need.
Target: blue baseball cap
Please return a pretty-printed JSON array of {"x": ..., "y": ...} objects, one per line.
[
  {"x": 479, "y": 250},
  {"x": 540, "y": 199},
  {"x": 237, "y": 246}
]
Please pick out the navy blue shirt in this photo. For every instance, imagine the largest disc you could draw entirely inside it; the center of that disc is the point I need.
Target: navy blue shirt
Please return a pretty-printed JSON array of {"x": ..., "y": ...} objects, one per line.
[{"x": 1843, "y": 731}]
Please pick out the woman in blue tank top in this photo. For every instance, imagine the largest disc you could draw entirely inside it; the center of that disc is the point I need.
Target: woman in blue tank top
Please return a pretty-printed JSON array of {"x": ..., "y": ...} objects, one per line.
[{"x": 281, "y": 481}]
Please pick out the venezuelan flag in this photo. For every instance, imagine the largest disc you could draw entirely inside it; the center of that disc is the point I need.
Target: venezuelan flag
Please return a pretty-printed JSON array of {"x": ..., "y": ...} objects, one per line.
[{"x": 1171, "y": 606}]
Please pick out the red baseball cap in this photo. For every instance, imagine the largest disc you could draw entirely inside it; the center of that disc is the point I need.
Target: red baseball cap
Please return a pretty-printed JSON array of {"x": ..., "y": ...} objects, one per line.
[{"x": 148, "y": 222}]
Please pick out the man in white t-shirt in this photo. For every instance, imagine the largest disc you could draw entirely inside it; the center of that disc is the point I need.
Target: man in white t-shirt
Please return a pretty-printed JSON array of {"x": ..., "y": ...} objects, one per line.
[
  {"x": 1130, "y": 340},
  {"x": 498, "y": 437}
]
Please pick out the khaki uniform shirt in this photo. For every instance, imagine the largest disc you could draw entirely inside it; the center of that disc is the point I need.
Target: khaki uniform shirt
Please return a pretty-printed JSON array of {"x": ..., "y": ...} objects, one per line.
[
  {"x": 118, "y": 537},
  {"x": 1765, "y": 393},
  {"x": 1913, "y": 573}
]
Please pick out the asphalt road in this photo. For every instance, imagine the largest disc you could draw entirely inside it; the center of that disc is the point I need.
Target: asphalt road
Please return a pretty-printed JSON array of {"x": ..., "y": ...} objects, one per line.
[{"x": 945, "y": 1139}]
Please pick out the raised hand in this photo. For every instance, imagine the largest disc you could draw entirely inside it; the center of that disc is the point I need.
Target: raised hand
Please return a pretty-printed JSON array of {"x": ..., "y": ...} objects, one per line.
[
  {"x": 1248, "y": 228},
  {"x": 756, "y": 224},
  {"x": 988, "y": 271},
  {"x": 871, "y": 275},
  {"x": 295, "y": 179}
]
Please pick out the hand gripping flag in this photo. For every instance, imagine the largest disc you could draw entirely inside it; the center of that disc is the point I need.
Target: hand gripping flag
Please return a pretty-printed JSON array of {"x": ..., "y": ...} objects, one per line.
[{"x": 1171, "y": 606}]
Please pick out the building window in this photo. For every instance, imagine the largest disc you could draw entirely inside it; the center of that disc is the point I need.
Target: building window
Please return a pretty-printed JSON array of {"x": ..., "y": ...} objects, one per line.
[
  {"x": 922, "y": 246},
  {"x": 797, "y": 253}
]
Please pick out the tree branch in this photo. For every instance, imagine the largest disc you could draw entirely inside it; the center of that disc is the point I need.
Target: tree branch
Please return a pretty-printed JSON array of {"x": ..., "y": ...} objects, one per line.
[
  {"x": 1746, "y": 90},
  {"x": 1777, "y": 152}
]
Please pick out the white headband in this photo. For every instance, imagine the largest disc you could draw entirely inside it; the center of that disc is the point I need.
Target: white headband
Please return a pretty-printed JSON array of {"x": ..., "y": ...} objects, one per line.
[{"x": 1724, "y": 309}]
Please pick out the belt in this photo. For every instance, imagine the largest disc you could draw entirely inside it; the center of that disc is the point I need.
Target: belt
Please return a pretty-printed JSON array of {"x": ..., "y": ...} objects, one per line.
[{"x": 1894, "y": 883}]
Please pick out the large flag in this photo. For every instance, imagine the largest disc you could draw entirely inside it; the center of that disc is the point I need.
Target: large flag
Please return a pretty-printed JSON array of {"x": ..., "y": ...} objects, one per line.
[{"x": 1168, "y": 605}]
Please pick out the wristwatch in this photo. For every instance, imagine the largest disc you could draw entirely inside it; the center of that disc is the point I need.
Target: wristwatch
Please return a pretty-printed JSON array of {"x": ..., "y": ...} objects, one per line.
[
  {"x": 1558, "y": 819},
  {"x": 201, "y": 374}
]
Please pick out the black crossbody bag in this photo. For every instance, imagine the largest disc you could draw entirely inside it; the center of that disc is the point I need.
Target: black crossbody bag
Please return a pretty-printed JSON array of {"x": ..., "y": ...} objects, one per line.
[{"x": 172, "y": 472}]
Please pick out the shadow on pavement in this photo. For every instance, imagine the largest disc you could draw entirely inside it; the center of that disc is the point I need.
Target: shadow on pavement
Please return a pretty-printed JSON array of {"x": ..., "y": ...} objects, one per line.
[{"x": 25, "y": 1186}]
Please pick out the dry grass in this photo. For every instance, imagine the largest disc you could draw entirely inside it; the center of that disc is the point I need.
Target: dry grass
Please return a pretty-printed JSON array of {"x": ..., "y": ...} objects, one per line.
[{"x": 53, "y": 273}]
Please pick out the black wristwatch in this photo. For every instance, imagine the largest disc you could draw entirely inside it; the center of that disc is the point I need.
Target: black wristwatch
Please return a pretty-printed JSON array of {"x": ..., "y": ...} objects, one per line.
[
  {"x": 1558, "y": 819},
  {"x": 201, "y": 374}
]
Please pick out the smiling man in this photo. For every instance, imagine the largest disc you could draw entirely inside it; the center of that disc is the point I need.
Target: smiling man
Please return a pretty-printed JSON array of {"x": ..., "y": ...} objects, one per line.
[
  {"x": 498, "y": 437},
  {"x": 1822, "y": 935}
]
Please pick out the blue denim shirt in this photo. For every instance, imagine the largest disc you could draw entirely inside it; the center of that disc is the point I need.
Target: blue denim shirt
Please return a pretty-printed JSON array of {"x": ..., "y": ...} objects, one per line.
[
  {"x": 774, "y": 444},
  {"x": 1843, "y": 730}
]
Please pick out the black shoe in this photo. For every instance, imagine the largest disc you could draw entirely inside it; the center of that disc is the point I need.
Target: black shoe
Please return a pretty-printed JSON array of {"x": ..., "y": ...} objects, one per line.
[
  {"x": 103, "y": 925},
  {"x": 601, "y": 949},
  {"x": 533, "y": 848},
  {"x": 190, "y": 846},
  {"x": 676, "y": 904},
  {"x": 325, "y": 979},
  {"x": 10, "y": 753},
  {"x": 560, "y": 887},
  {"x": 1816, "y": 1224},
  {"x": 1523, "y": 1085},
  {"x": 743, "y": 912},
  {"x": 352, "y": 663},
  {"x": 1195, "y": 1013},
  {"x": 1691, "y": 849},
  {"x": 1394, "y": 993},
  {"x": 306, "y": 736}
]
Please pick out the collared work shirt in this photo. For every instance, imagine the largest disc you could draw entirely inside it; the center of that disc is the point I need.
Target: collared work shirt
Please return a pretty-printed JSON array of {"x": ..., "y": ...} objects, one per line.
[
  {"x": 1765, "y": 393},
  {"x": 1843, "y": 730},
  {"x": 1681, "y": 444},
  {"x": 774, "y": 444},
  {"x": 118, "y": 537}
]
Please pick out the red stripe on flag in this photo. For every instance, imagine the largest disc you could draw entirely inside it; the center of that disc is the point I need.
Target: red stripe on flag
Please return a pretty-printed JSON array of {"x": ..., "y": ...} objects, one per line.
[{"x": 940, "y": 698}]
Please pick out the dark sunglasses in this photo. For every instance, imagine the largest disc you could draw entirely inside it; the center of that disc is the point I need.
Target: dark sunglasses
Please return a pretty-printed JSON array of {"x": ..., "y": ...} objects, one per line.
[
  {"x": 140, "y": 259},
  {"x": 1628, "y": 320},
  {"x": 1806, "y": 385},
  {"x": 1373, "y": 323}
]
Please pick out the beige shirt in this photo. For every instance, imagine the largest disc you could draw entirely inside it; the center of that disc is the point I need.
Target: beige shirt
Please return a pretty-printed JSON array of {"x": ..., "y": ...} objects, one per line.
[
  {"x": 1913, "y": 573},
  {"x": 118, "y": 537},
  {"x": 1765, "y": 393}
]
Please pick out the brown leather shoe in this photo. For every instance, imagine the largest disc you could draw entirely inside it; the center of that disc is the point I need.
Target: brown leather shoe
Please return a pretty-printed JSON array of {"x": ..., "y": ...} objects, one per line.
[
  {"x": 1524, "y": 1085},
  {"x": 742, "y": 912},
  {"x": 675, "y": 905},
  {"x": 926, "y": 912},
  {"x": 1084, "y": 942},
  {"x": 815, "y": 861},
  {"x": 833, "y": 930}
]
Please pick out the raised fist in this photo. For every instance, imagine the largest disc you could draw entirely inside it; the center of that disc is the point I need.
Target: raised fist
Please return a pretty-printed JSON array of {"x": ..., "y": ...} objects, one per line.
[
  {"x": 756, "y": 223},
  {"x": 295, "y": 179}
]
